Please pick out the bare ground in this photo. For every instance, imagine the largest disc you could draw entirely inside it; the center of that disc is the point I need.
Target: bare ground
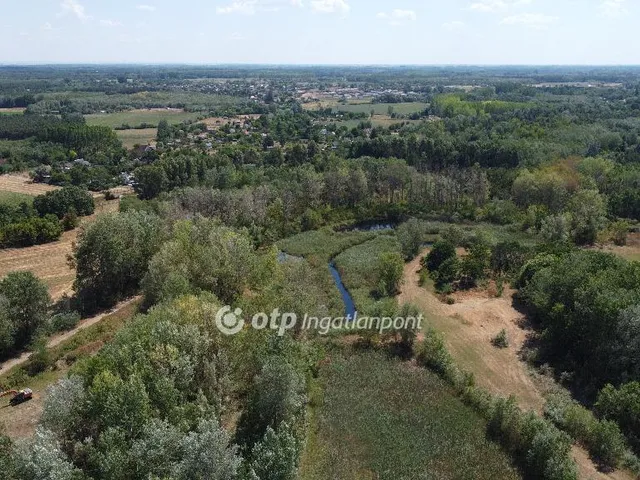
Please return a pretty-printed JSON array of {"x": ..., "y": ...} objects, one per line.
[{"x": 468, "y": 327}]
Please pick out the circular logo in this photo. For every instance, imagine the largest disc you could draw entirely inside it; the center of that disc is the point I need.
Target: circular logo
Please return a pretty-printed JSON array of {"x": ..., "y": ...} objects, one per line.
[{"x": 229, "y": 322}]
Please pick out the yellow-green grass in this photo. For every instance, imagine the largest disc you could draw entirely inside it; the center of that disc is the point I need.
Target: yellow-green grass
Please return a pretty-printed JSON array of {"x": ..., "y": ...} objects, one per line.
[
  {"x": 138, "y": 136},
  {"x": 376, "y": 418},
  {"x": 138, "y": 117},
  {"x": 14, "y": 199}
]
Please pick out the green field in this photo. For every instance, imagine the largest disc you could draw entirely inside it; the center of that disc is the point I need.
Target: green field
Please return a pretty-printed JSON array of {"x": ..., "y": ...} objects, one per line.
[
  {"x": 357, "y": 267},
  {"x": 137, "y": 136},
  {"x": 375, "y": 418},
  {"x": 13, "y": 199},
  {"x": 383, "y": 108},
  {"x": 138, "y": 117},
  {"x": 322, "y": 244}
]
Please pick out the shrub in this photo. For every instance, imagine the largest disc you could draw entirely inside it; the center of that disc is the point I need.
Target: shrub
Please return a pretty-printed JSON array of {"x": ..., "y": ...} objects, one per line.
[
  {"x": 500, "y": 340},
  {"x": 63, "y": 322},
  {"x": 607, "y": 444},
  {"x": 390, "y": 269},
  {"x": 619, "y": 232}
]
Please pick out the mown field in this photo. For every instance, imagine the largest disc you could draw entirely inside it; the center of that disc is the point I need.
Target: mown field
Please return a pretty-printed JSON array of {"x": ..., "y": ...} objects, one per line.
[
  {"x": 376, "y": 418},
  {"x": 138, "y": 117}
]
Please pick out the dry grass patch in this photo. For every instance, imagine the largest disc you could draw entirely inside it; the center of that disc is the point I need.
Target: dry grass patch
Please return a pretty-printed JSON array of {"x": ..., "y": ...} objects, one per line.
[{"x": 21, "y": 183}]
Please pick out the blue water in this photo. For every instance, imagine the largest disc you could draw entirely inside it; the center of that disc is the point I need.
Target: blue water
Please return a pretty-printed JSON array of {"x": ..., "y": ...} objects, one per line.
[{"x": 350, "y": 307}]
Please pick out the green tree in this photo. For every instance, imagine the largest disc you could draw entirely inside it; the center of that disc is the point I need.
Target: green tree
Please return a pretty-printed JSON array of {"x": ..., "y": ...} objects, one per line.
[
  {"x": 441, "y": 251},
  {"x": 411, "y": 234},
  {"x": 26, "y": 303},
  {"x": 588, "y": 210},
  {"x": 151, "y": 181},
  {"x": 111, "y": 257}
]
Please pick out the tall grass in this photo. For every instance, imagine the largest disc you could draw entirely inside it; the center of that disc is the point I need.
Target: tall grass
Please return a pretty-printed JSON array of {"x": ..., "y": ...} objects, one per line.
[{"x": 379, "y": 418}]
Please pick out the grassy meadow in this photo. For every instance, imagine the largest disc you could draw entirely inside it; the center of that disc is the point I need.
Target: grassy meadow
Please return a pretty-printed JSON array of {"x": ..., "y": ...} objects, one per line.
[
  {"x": 357, "y": 266},
  {"x": 363, "y": 426},
  {"x": 139, "y": 117},
  {"x": 137, "y": 136}
]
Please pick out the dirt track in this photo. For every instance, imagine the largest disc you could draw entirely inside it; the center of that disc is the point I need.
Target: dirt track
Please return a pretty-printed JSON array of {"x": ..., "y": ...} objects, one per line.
[
  {"x": 468, "y": 327},
  {"x": 58, "y": 339}
]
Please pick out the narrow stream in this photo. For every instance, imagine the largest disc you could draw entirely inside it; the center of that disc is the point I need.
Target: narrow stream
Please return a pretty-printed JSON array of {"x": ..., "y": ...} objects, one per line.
[{"x": 350, "y": 307}]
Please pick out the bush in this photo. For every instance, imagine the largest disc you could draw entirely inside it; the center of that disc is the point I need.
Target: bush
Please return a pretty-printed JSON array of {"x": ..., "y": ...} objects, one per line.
[
  {"x": 63, "y": 322},
  {"x": 390, "y": 269},
  {"x": 607, "y": 444},
  {"x": 500, "y": 340}
]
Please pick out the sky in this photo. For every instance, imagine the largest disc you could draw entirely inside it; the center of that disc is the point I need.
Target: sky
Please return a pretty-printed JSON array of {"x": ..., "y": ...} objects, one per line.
[{"x": 405, "y": 32}]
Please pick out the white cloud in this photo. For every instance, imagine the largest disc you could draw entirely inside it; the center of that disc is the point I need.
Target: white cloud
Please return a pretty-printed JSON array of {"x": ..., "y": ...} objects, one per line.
[
  {"x": 146, "y": 8},
  {"x": 250, "y": 7},
  {"x": 533, "y": 20},
  {"x": 497, "y": 5},
  {"x": 73, "y": 7},
  {"x": 237, "y": 37},
  {"x": 47, "y": 26},
  {"x": 613, "y": 8},
  {"x": 456, "y": 25},
  {"x": 330, "y": 6},
  {"x": 398, "y": 17},
  {"x": 110, "y": 23}
]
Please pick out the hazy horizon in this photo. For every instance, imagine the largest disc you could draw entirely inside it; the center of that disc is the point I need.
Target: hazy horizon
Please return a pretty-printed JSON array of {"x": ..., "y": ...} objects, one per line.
[{"x": 322, "y": 32}]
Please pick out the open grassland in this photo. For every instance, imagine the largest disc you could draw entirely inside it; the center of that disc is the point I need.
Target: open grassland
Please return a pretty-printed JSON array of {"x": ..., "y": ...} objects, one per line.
[
  {"x": 357, "y": 267},
  {"x": 631, "y": 251},
  {"x": 22, "y": 184},
  {"x": 138, "y": 117},
  {"x": 49, "y": 261},
  {"x": 468, "y": 327},
  {"x": 138, "y": 136},
  {"x": 21, "y": 421},
  {"x": 13, "y": 199},
  {"x": 376, "y": 418},
  {"x": 322, "y": 244}
]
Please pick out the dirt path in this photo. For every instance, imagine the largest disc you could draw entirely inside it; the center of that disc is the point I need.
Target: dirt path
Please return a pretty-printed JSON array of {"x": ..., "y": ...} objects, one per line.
[
  {"x": 468, "y": 327},
  {"x": 58, "y": 339}
]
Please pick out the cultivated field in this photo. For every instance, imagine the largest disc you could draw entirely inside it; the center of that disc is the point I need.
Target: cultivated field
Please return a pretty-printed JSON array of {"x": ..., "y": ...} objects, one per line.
[
  {"x": 137, "y": 117},
  {"x": 375, "y": 418},
  {"x": 23, "y": 184},
  {"x": 138, "y": 136}
]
